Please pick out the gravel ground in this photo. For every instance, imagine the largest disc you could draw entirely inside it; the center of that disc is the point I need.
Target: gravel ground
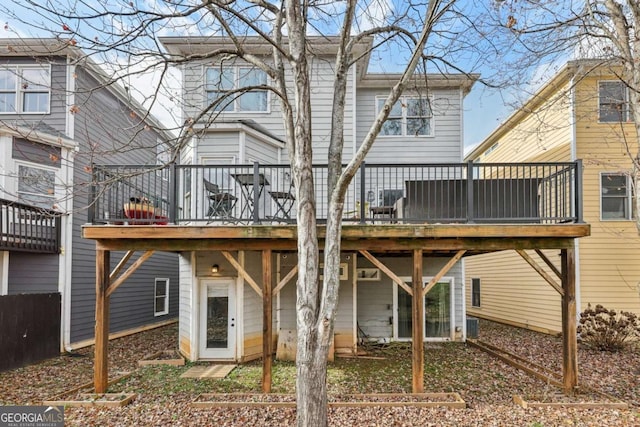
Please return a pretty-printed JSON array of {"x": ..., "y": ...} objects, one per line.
[{"x": 486, "y": 384}]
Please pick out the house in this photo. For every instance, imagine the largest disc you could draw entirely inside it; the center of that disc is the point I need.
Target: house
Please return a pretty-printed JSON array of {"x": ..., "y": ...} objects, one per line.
[
  {"x": 232, "y": 212},
  {"x": 581, "y": 113},
  {"x": 251, "y": 130},
  {"x": 57, "y": 118}
]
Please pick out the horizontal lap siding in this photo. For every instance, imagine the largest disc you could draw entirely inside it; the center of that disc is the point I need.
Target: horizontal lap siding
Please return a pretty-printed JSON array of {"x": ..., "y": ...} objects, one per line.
[
  {"x": 609, "y": 267},
  {"x": 58, "y": 98},
  {"x": 321, "y": 75},
  {"x": 32, "y": 273},
  {"x": 187, "y": 305},
  {"x": 444, "y": 146},
  {"x": 541, "y": 132},
  {"x": 258, "y": 151},
  {"x": 108, "y": 125},
  {"x": 512, "y": 290}
]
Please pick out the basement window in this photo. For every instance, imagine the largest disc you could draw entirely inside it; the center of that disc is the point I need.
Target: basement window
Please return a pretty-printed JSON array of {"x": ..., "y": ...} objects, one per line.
[
  {"x": 475, "y": 292},
  {"x": 161, "y": 297}
]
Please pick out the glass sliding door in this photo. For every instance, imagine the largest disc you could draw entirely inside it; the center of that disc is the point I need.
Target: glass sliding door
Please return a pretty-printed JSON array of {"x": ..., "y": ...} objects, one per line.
[{"x": 437, "y": 312}]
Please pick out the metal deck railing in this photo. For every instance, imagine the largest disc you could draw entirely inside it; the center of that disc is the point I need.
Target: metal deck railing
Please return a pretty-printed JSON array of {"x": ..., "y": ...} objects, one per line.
[
  {"x": 28, "y": 228},
  {"x": 528, "y": 193}
]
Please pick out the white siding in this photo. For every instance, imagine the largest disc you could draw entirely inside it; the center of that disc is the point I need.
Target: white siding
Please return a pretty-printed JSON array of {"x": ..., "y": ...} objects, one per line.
[
  {"x": 322, "y": 98},
  {"x": 185, "y": 331},
  {"x": 443, "y": 146}
]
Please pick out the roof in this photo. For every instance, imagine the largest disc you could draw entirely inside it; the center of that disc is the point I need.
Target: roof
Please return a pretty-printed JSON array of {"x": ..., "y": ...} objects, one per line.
[
  {"x": 320, "y": 45},
  {"x": 430, "y": 80},
  {"x": 34, "y": 47},
  {"x": 44, "y": 134},
  {"x": 572, "y": 69},
  {"x": 249, "y": 125}
]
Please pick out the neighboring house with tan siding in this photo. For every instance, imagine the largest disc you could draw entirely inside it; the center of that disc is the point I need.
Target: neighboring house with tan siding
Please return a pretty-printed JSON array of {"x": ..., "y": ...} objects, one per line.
[{"x": 581, "y": 113}]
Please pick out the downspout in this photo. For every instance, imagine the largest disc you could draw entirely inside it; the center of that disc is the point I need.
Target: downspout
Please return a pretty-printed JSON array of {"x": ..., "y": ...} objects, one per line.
[
  {"x": 354, "y": 132},
  {"x": 65, "y": 264},
  {"x": 461, "y": 126},
  {"x": 574, "y": 154}
]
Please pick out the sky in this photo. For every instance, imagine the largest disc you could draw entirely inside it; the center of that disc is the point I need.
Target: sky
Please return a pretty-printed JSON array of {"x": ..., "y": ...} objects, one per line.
[{"x": 484, "y": 109}]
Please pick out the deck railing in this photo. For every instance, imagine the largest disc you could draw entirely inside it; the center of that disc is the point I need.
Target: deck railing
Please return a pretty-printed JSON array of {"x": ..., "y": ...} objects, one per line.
[
  {"x": 28, "y": 228},
  {"x": 543, "y": 193}
]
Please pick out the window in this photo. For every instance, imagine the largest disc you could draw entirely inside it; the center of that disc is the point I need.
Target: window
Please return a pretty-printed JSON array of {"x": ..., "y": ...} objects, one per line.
[
  {"x": 475, "y": 292},
  {"x": 613, "y": 101},
  {"x": 222, "y": 80},
  {"x": 410, "y": 116},
  {"x": 161, "y": 303},
  {"x": 24, "y": 89},
  {"x": 36, "y": 185},
  {"x": 616, "y": 198}
]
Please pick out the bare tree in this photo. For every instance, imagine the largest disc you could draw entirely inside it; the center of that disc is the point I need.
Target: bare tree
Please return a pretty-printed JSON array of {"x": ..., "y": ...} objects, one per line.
[
  {"x": 605, "y": 31},
  {"x": 432, "y": 35}
]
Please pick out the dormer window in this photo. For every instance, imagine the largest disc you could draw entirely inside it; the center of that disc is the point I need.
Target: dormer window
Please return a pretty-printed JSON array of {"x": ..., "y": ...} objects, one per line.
[
  {"x": 410, "y": 116},
  {"x": 25, "y": 89},
  {"x": 220, "y": 81}
]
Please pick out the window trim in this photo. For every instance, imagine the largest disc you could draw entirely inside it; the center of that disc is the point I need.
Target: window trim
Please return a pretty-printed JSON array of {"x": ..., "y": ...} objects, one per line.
[
  {"x": 403, "y": 101},
  {"x": 626, "y": 112},
  {"x": 32, "y": 165},
  {"x": 629, "y": 198},
  {"x": 476, "y": 299},
  {"x": 236, "y": 78},
  {"x": 157, "y": 313},
  {"x": 18, "y": 100}
]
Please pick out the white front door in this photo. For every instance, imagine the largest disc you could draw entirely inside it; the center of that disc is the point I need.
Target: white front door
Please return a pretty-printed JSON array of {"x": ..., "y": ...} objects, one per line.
[{"x": 217, "y": 319}]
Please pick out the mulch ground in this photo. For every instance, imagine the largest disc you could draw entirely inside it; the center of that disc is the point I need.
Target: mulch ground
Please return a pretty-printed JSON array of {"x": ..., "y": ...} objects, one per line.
[{"x": 486, "y": 384}]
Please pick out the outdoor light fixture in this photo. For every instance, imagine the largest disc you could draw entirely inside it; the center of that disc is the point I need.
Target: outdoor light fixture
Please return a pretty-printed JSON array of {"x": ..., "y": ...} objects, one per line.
[{"x": 215, "y": 268}]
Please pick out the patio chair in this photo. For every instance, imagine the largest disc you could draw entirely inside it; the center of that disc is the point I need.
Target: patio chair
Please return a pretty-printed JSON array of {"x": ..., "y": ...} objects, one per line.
[{"x": 221, "y": 203}]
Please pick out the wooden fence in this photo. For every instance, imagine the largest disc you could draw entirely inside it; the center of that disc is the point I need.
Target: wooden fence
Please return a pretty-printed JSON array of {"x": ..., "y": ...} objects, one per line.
[{"x": 29, "y": 328}]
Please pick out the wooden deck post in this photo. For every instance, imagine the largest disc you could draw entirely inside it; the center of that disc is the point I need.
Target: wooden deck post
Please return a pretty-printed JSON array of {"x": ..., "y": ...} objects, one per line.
[
  {"x": 267, "y": 320},
  {"x": 100, "y": 363},
  {"x": 569, "y": 322},
  {"x": 417, "y": 325}
]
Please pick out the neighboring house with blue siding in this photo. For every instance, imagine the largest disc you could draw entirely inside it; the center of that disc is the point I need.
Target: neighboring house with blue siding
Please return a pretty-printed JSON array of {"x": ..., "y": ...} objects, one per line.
[
  {"x": 425, "y": 127},
  {"x": 60, "y": 114}
]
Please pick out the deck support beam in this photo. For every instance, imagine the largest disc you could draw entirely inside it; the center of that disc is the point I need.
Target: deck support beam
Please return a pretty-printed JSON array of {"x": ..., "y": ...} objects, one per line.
[
  {"x": 569, "y": 322},
  {"x": 386, "y": 270},
  {"x": 540, "y": 271},
  {"x": 100, "y": 364},
  {"x": 417, "y": 325},
  {"x": 242, "y": 272},
  {"x": 267, "y": 321}
]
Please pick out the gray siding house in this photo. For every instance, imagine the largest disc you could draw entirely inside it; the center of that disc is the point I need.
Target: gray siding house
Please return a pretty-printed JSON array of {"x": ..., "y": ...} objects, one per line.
[
  {"x": 425, "y": 127},
  {"x": 57, "y": 119}
]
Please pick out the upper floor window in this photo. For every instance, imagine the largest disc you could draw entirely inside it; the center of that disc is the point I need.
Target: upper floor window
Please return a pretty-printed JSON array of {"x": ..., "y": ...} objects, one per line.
[
  {"x": 410, "y": 116},
  {"x": 616, "y": 197},
  {"x": 222, "y": 80},
  {"x": 36, "y": 185},
  {"x": 24, "y": 89},
  {"x": 613, "y": 101}
]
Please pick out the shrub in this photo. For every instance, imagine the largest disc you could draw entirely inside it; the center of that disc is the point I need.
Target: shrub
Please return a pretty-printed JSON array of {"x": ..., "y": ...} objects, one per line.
[{"x": 606, "y": 330}]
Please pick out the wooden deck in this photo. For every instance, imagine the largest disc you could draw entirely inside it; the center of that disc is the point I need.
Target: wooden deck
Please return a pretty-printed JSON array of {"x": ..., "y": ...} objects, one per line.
[
  {"x": 415, "y": 240},
  {"x": 431, "y": 238}
]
